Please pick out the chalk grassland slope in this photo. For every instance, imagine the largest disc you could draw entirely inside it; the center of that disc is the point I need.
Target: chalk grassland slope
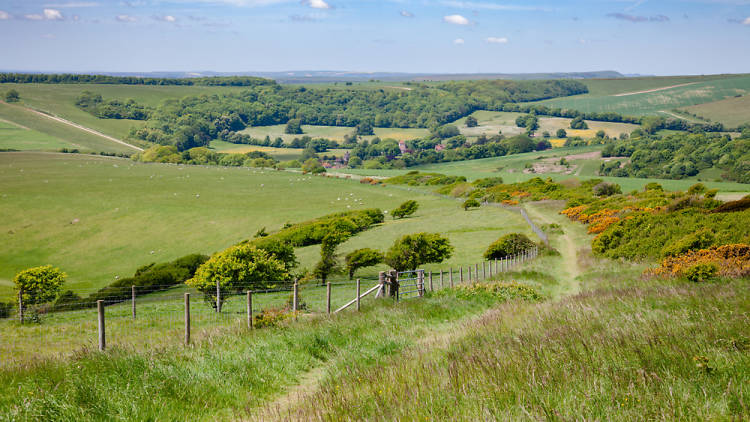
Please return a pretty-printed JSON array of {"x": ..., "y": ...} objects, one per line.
[
  {"x": 731, "y": 111},
  {"x": 55, "y": 134},
  {"x": 602, "y": 96},
  {"x": 59, "y": 99},
  {"x": 335, "y": 133},
  {"x": 512, "y": 169},
  {"x": 98, "y": 217},
  {"x": 18, "y": 137},
  {"x": 492, "y": 122}
]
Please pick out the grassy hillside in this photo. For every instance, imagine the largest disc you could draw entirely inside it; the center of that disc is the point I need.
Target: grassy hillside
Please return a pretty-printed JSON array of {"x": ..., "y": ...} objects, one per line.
[
  {"x": 610, "y": 95},
  {"x": 584, "y": 164},
  {"x": 48, "y": 134},
  {"x": 731, "y": 111},
  {"x": 17, "y": 137},
  {"x": 59, "y": 99},
  {"x": 98, "y": 218}
]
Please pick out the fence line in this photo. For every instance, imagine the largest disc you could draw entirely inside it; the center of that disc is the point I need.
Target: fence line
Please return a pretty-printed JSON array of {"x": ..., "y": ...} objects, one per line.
[{"x": 172, "y": 318}]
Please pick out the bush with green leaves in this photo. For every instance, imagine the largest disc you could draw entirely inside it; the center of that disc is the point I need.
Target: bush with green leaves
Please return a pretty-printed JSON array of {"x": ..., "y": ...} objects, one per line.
[
  {"x": 699, "y": 273},
  {"x": 509, "y": 245},
  {"x": 328, "y": 263},
  {"x": 312, "y": 232},
  {"x": 470, "y": 203},
  {"x": 410, "y": 251},
  {"x": 701, "y": 239},
  {"x": 39, "y": 284},
  {"x": 6, "y": 309},
  {"x": 406, "y": 209},
  {"x": 362, "y": 258},
  {"x": 312, "y": 165},
  {"x": 238, "y": 268},
  {"x": 607, "y": 189}
]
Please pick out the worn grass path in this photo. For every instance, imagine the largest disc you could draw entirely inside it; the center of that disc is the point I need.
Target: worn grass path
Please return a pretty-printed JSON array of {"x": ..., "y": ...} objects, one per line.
[{"x": 569, "y": 244}]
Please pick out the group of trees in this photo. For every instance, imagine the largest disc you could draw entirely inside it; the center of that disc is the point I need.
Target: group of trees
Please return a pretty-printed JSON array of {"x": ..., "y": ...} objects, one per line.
[
  {"x": 12, "y": 96},
  {"x": 679, "y": 156},
  {"x": 41, "y": 78},
  {"x": 113, "y": 109}
]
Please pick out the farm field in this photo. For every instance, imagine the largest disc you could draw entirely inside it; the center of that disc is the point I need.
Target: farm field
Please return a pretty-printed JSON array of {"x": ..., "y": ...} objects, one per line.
[
  {"x": 335, "y": 133},
  {"x": 492, "y": 122},
  {"x": 607, "y": 95},
  {"x": 14, "y": 136},
  {"x": 281, "y": 154},
  {"x": 98, "y": 217},
  {"x": 731, "y": 111},
  {"x": 59, "y": 99},
  {"x": 47, "y": 134},
  {"x": 511, "y": 168}
]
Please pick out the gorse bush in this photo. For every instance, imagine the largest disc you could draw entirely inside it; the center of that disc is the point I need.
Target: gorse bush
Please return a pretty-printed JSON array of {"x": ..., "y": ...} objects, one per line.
[
  {"x": 508, "y": 245},
  {"x": 362, "y": 258},
  {"x": 701, "y": 272},
  {"x": 312, "y": 232},
  {"x": 732, "y": 261},
  {"x": 415, "y": 178},
  {"x": 734, "y": 206},
  {"x": 410, "y": 251},
  {"x": 699, "y": 240},
  {"x": 39, "y": 284},
  {"x": 406, "y": 209}
]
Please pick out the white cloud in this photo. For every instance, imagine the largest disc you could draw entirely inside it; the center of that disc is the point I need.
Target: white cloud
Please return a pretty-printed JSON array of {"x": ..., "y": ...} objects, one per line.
[
  {"x": 746, "y": 21},
  {"x": 53, "y": 15},
  {"x": 34, "y": 17},
  {"x": 73, "y": 4},
  {"x": 459, "y": 41},
  {"x": 125, "y": 18},
  {"x": 456, "y": 20},
  {"x": 317, "y": 4},
  {"x": 4, "y": 15},
  {"x": 407, "y": 14},
  {"x": 166, "y": 18},
  {"x": 496, "y": 40}
]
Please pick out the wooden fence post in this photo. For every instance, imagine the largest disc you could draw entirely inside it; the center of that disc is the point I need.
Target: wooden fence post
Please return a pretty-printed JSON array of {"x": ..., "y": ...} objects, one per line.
[
  {"x": 395, "y": 284},
  {"x": 460, "y": 274},
  {"x": 328, "y": 298},
  {"x": 218, "y": 297},
  {"x": 431, "y": 286},
  {"x": 469, "y": 268},
  {"x": 451, "y": 277},
  {"x": 484, "y": 269},
  {"x": 20, "y": 305},
  {"x": 420, "y": 283},
  {"x": 442, "y": 285},
  {"x": 102, "y": 336},
  {"x": 294, "y": 298},
  {"x": 250, "y": 309},
  {"x": 187, "y": 319},
  {"x": 358, "y": 290},
  {"x": 132, "y": 299}
]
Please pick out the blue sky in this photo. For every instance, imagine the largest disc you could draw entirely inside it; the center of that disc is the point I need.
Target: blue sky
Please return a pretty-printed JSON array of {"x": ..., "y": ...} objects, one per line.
[{"x": 640, "y": 36}]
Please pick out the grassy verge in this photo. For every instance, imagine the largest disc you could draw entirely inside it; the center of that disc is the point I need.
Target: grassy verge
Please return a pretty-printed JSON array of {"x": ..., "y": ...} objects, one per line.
[
  {"x": 229, "y": 373},
  {"x": 638, "y": 350}
]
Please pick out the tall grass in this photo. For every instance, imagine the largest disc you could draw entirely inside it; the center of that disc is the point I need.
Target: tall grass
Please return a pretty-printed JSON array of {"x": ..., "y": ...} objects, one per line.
[{"x": 653, "y": 351}]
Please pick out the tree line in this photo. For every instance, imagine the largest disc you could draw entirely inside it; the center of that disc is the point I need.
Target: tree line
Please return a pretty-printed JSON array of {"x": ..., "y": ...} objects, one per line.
[{"x": 70, "y": 78}]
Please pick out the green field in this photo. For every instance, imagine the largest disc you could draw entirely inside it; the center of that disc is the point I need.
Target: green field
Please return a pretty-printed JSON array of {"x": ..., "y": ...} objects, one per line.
[
  {"x": 732, "y": 112},
  {"x": 607, "y": 95},
  {"x": 335, "y": 133},
  {"x": 512, "y": 169},
  {"x": 17, "y": 137},
  {"x": 48, "y": 134},
  {"x": 492, "y": 122},
  {"x": 59, "y": 100},
  {"x": 98, "y": 218}
]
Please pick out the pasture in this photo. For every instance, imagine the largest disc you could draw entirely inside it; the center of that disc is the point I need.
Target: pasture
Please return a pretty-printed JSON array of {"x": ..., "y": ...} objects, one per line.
[
  {"x": 732, "y": 112},
  {"x": 608, "y": 95},
  {"x": 335, "y": 133},
  {"x": 514, "y": 168},
  {"x": 492, "y": 122},
  {"x": 98, "y": 218}
]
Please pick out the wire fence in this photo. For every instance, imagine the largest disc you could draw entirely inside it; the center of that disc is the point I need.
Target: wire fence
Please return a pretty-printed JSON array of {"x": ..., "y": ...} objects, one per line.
[{"x": 164, "y": 316}]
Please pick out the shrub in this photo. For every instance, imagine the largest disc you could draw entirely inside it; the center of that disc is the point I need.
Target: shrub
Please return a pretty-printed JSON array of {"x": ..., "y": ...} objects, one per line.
[
  {"x": 238, "y": 268},
  {"x": 701, "y": 272},
  {"x": 698, "y": 240},
  {"x": 410, "y": 251},
  {"x": 312, "y": 232},
  {"x": 488, "y": 182},
  {"x": 510, "y": 244},
  {"x": 696, "y": 189},
  {"x": 6, "y": 309},
  {"x": 653, "y": 186},
  {"x": 362, "y": 258},
  {"x": 39, "y": 284},
  {"x": 68, "y": 301},
  {"x": 470, "y": 203},
  {"x": 734, "y": 206},
  {"x": 312, "y": 165},
  {"x": 406, "y": 209},
  {"x": 606, "y": 189},
  {"x": 270, "y": 317}
]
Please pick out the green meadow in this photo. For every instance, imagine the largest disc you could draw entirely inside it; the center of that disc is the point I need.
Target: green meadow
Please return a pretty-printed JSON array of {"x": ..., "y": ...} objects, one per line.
[{"x": 98, "y": 218}]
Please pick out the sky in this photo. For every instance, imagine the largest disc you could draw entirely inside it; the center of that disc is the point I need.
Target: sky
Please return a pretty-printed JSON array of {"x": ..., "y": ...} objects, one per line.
[{"x": 416, "y": 36}]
